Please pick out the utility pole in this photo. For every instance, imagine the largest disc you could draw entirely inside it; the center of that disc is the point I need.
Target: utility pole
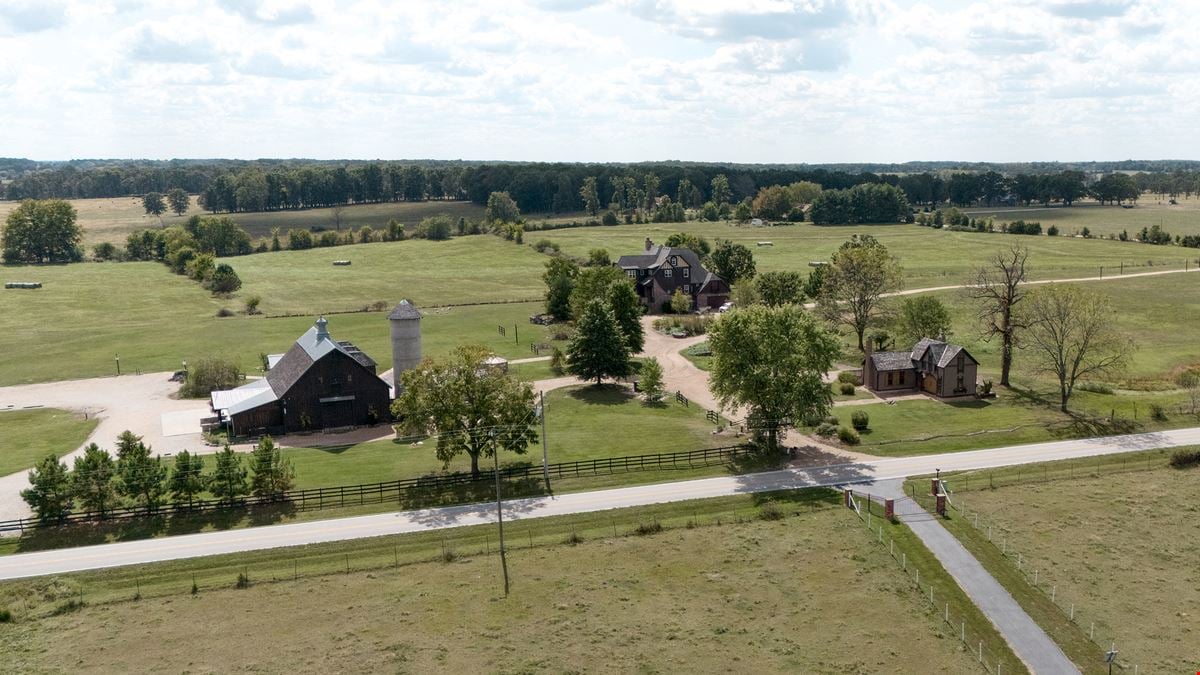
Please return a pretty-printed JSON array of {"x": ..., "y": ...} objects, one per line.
[
  {"x": 499, "y": 511},
  {"x": 545, "y": 451}
]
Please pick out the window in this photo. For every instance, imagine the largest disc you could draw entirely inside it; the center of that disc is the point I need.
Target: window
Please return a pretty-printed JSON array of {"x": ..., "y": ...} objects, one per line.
[
  {"x": 674, "y": 261},
  {"x": 631, "y": 273},
  {"x": 889, "y": 378},
  {"x": 667, "y": 273},
  {"x": 349, "y": 378},
  {"x": 685, "y": 272},
  {"x": 687, "y": 288}
]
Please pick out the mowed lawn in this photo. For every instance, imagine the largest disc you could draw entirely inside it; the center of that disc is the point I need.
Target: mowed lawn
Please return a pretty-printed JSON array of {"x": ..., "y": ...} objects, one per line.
[
  {"x": 809, "y": 593},
  {"x": 1182, "y": 218},
  {"x": 112, "y": 219},
  {"x": 470, "y": 269},
  {"x": 1122, "y": 547},
  {"x": 26, "y": 436},
  {"x": 88, "y": 314},
  {"x": 584, "y": 422},
  {"x": 929, "y": 257}
]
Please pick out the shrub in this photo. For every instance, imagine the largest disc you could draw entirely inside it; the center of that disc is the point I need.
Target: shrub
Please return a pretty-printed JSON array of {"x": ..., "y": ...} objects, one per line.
[
  {"x": 223, "y": 280},
  {"x": 849, "y": 376},
  {"x": 830, "y": 419},
  {"x": 860, "y": 419},
  {"x": 209, "y": 374},
  {"x": 1052, "y": 231},
  {"x": 1158, "y": 413},
  {"x": 225, "y": 313},
  {"x": 771, "y": 511},
  {"x": 574, "y": 539},
  {"x": 546, "y": 246},
  {"x": 1185, "y": 457},
  {"x": 652, "y": 527},
  {"x": 243, "y": 580},
  {"x": 252, "y": 304},
  {"x": 610, "y": 218},
  {"x": 847, "y": 389},
  {"x": 826, "y": 430},
  {"x": 986, "y": 387},
  {"x": 298, "y": 240},
  {"x": 848, "y": 435},
  {"x": 104, "y": 251},
  {"x": 558, "y": 361},
  {"x": 1095, "y": 387}
]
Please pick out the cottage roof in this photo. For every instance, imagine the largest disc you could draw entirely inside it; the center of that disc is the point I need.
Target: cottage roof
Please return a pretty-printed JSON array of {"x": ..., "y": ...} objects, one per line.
[
  {"x": 892, "y": 360},
  {"x": 941, "y": 352}
]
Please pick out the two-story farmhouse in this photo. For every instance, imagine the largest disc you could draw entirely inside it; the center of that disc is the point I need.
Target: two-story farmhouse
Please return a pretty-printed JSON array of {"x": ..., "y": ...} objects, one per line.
[
  {"x": 659, "y": 270},
  {"x": 933, "y": 366},
  {"x": 319, "y": 383}
]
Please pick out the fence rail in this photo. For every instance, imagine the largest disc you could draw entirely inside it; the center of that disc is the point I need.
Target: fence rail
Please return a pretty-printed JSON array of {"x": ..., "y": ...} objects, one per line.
[{"x": 396, "y": 490}]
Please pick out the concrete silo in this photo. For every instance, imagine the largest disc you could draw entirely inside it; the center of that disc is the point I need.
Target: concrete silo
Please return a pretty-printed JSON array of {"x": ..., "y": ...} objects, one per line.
[{"x": 406, "y": 340}]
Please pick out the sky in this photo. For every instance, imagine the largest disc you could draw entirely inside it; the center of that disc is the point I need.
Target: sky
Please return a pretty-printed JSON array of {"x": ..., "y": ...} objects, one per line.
[{"x": 816, "y": 81}]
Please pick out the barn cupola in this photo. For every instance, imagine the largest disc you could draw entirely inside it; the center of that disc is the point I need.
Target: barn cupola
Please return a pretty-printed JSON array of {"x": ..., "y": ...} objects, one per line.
[{"x": 322, "y": 329}]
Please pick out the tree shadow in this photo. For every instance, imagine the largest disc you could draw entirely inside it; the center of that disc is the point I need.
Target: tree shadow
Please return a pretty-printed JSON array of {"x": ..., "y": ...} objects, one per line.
[{"x": 602, "y": 394}]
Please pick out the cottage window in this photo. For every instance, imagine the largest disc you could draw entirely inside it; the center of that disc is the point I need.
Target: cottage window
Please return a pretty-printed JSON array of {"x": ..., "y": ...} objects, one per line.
[
  {"x": 685, "y": 272},
  {"x": 687, "y": 288},
  {"x": 631, "y": 273},
  {"x": 349, "y": 378},
  {"x": 889, "y": 378},
  {"x": 674, "y": 261},
  {"x": 667, "y": 273}
]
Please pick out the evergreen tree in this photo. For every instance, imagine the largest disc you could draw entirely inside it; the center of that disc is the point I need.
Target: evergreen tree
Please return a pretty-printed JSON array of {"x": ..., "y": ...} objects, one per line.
[
  {"x": 560, "y": 281},
  {"x": 271, "y": 475},
  {"x": 141, "y": 474},
  {"x": 228, "y": 480},
  {"x": 187, "y": 479},
  {"x": 49, "y": 494},
  {"x": 598, "y": 349},
  {"x": 92, "y": 480}
]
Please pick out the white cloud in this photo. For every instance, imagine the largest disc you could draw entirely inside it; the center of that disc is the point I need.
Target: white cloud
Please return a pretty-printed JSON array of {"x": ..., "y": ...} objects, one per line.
[{"x": 762, "y": 80}]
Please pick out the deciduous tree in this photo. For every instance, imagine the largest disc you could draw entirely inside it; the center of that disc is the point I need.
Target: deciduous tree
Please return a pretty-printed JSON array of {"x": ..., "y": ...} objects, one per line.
[
  {"x": 732, "y": 262},
  {"x": 154, "y": 204},
  {"x": 770, "y": 360},
  {"x": 42, "y": 231},
  {"x": 560, "y": 281},
  {"x": 598, "y": 349},
  {"x": 681, "y": 303},
  {"x": 501, "y": 209},
  {"x": 998, "y": 289},
  {"x": 859, "y": 275},
  {"x": 1071, "y": 335},
  {"x": 780, "y": 288},
  {"x": 590, "y": 196},
  {"x": 923, "y": 316},
  {"x": 650, "y": 379},
  {"x": 178, "y": 200},
  {"x": 472, "y": 409}
]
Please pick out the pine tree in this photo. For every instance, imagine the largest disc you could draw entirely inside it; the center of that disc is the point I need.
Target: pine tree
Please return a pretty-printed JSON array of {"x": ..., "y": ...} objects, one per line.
[
  {"x": 228, "y": 480},
  {"x": 598, "y": 349},
  {"x": 49, "y": 493},
  {"x": 92, "y": 480},
  {"x": 271, "y": 474},
  {"x": 187, "y": 479},
  {"x": 141, "y": 474}
]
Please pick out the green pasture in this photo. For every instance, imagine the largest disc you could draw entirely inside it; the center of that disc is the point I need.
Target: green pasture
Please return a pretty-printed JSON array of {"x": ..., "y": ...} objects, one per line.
[
  {"x": 28, "y": 435},
  {"x": 1182, "y": 218}
]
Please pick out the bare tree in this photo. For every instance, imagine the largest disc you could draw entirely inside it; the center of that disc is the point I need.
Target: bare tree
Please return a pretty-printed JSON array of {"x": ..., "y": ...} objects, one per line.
[
  {"x": 998, "y": 290},
  {"x": 1071, "y": 335},
  {"x": 339, "y": 213}
]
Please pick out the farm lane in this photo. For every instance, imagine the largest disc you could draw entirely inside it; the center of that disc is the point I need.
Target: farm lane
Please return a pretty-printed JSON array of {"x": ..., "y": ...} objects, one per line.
[{"x": 23, "y": 565}]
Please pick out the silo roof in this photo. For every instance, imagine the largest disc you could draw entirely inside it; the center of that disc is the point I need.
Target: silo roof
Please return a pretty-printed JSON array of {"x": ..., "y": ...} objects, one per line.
[{"x": 404, "y": 310}]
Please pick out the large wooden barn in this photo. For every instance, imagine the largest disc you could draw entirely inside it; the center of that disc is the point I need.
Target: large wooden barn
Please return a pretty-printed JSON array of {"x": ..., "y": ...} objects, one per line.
[{"x": 319, "y": 383}]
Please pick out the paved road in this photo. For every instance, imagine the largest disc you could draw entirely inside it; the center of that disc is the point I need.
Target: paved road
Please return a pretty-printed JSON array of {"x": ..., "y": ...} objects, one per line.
[
  {"x": 1030, "y": 643},
  {"x": 341, "y": 529}
]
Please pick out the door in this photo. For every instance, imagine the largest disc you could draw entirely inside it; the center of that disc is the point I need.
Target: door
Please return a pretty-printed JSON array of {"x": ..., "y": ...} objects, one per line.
[{"x": 929, "y": 384}]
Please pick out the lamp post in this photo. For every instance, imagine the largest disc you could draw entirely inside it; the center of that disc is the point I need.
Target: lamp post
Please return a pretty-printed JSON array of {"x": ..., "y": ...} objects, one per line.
[{"x": 499, "y": 509}]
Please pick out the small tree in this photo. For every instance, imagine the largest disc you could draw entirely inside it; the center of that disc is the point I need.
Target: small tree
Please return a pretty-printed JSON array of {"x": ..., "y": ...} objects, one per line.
[
  {"x": 154, "y": 204},
  {"x": 680, "y": 302},
  {"x": 92, "y": 480},
  {"x": 651, "y": 379},
  {"x": 923, "y": 316},
  {"x": 560, "y": 281},
  {"x": 210, "y": 374},
  {"x": 780, "y": 288},
  {"x": 50, "y": 493},
  {"x": 271, "y": 474},
  {"x": 252, "y": 303},
  {"x": 732, "y": 262},
  {"x": 142, "y": 475},
  {"x": 1071, "y": 335},
  {"x": 177, "y": 198},
  {"x": 224, "y": 280},
  {"x": 228, "y": 480},
  {"x": 1189, "y": 381},
  {"x": 501, "y": 209},
  {"x": 598, "y": 349},
  {"x": 187, "y": 479},
  {"x": 598, "y": 257}
]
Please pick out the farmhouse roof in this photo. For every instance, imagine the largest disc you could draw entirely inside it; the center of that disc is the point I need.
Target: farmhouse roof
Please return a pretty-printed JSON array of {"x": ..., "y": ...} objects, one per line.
[
  {"x": 892, "y": 360},
  {"x": 404, "y": 310},
  {"x": 942, "y": 352},
  {"x": 657, "y": 256}
]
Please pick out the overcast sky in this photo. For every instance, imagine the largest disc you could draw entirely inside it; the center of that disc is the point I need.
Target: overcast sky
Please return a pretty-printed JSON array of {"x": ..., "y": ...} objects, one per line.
[{"x": 589, "y": 80}]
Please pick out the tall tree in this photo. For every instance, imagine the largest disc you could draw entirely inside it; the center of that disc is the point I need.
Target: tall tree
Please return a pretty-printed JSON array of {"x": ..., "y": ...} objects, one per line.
[
  {"x": 270, "y": 474},
  {"x": 598, "y": 349},
  {"x": 41, "y": 231},
  {"x": 228, "y": 480},
  {"x": 50, "y": 493},
  {"x": 501, "y": 209},
  {"x": 998, "y": 289},
  {"x": 780, "y": 288},
  {"x": 187, "y": 479},
  {"x": 590, "y": 196},
  {"x": 178, "y": 200},
  {"x": 692, "y": 242},
  {"x": 855, "y": 282},
  {"x": 141, "y": 474},
  {"x": 732, "y": 262},
  {"x": 721, "y": 194},
  {"x": 560, "y": 281},
  {"x": 92, "y": 480},
  {"x": 154, "y": 204},
  {"x": 1071, "y": 335},
  {"x": 472, "y": 409},
  {"x": 623, "y": 299},
  {"x": 770, "y": 360},
  {"x": 923, "y": 316}
]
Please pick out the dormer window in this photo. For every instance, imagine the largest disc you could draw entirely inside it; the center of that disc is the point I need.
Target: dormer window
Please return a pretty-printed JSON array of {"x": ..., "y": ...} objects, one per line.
[{"x": 674, "y": 261}]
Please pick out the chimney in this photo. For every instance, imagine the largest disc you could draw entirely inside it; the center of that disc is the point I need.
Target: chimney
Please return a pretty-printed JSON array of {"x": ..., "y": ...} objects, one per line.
[
  {"x": 322, "y": 330},
  {"x": 649, "y": 244}
]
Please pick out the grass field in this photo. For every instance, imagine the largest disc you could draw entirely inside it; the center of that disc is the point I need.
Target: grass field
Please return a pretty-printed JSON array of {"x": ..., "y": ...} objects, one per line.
[
  {"x": 699, "y": 598},
  {"x": 26, "y": 436},
  {"x": 1182, "y": 218},
  {"x": 113, "y": 219},
  {"x": 1127, "y": 562}
]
